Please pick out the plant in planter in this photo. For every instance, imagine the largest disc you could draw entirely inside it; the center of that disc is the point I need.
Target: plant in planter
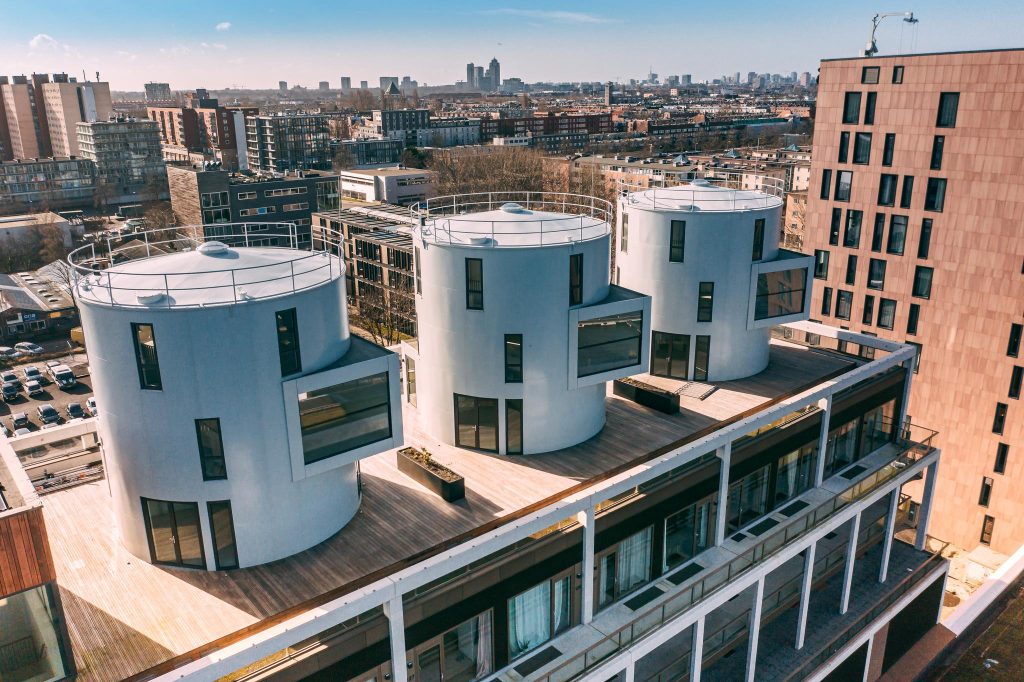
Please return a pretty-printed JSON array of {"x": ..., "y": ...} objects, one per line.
[
  {"x": 647, "y": 395},
  {"x": 432, "y": 475}
]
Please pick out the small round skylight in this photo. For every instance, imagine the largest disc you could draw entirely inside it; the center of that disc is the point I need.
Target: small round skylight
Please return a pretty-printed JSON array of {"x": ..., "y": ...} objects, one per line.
[
  {"x": 512, "y": 207},
  {"x": 213, "y": 248}
]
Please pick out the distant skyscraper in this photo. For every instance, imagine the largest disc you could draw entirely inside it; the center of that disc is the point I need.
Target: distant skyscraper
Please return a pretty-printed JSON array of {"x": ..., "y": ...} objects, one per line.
[
  {"x": 686, "y": 79},
  {"x": 346, "y": 84},
  {"x": 805, "y": 79},
  {"x": 364, "y": 85},
  {"x": 158, "y": 92},
  {"x": 386, "y": 81},
  {"x": 494, "y": 71},
  {"x": 470, "y": 75},
  {"x": 792, "y": 76},
  {"x": 479, "y": 79},
  {"x": 325, "y": 86},
  {"x": 282, "y": 86},
  {"x": 751, "y": 75}
]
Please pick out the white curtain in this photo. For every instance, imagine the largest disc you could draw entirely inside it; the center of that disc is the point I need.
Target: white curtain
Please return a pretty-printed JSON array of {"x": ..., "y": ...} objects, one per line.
[
  {"x": 483, "y": 644},
  {"x": 561, "y": 605},
  {"x": 634, "y": 560},
  {"x": 529, "y": 619}
]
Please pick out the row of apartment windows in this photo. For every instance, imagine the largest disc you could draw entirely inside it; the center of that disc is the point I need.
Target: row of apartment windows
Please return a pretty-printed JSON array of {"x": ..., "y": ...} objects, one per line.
[
  {"x": 869, "y": 74},
  {"x": 945, "y": 116},
  {"x": 921, "y": 287},
  {"x": 862, "y": 150},
  {"x": 934, "y": 197}
]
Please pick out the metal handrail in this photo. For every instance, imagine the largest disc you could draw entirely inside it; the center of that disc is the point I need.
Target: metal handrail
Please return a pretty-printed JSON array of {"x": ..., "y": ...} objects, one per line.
[{"x": 767, "y": 192}]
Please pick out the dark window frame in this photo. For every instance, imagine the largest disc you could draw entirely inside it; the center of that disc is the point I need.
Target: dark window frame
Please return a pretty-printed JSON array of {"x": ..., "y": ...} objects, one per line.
[
  {"x": 878, "y": 233},
  {"x": 999, "y": 420},
  {"x": 478, "y": 403},
  {"x": 938, "y": 150},
  {"x": 851, "y": 269},
  {"x": 146, "y": 366},
  {"x": 677, "y": 241},
  {"x": 985, "y": 494},
  {"x": 1002, "y": 455},
  {"x": 868, "y": 316},
  {"x": 821, "y": 264},
  {"x": 513, "y": 370},
  {"x": 702, "y": 348},
  {"x": 924, "y": 243},
  {"x": 988, "y": 526},
  {"x": 862, "y": 148},
  {"x": 474, "y": 284},
  {"x": 289, "y": 348},
  {"x": 1014, "y": 342},
  {"x": 935, "y": 195},
  {"x": 842, "y": 194},
  {"x": 826, "y": 301},
  {"x": 897, "y": 74},
  {"x": 844, "y": 146},
  {"x": 575, "y": 279},
  {"x": 1016, "y": 379},
  {"x": 913, "y": 318},
  {"x": 907, "y": 191},
  {"x": 946, "y": 114},
  {"x": 876, "y": 266},
  {"x": 207, "y": 458},
  {"x": 705, "y": 301},
  {"x": 758, "y": 248},
  {"x": 887, "y": 184},
  {"x": 922, "y": 291},
  {"x": 886, "y": 313},
  {"x": 513, "y": 405},
  {"x": 870, "y": 74},
  {"x": 826, "y": 184},
  {"x": 852, "y": 228},
  {"x": 835, "y": 226},
  {"x": 222, "y": 565},
  {"x": 869, "y": 108},
  {"x": 888, "y": 149},
  {"x": 898, "y": 228},
  {"x": 418, "y": 265},
  {"x": 844, "y": 299},
  {"x": 850, "y": 117}
]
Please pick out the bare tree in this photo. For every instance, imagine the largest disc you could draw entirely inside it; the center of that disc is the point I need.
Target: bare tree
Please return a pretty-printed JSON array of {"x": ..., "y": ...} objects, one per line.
[
  {"x": 385, "y": 313},
  {"x": 488, "y": 169},
  {"x": 102, "y": 194},
  {"x": 65, "y": 277}
]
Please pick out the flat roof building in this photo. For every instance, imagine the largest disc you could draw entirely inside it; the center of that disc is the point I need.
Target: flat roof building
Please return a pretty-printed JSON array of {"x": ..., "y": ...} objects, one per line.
[
  {"x": 401, "y": 186},
  {"x": 286, "y": 142}
]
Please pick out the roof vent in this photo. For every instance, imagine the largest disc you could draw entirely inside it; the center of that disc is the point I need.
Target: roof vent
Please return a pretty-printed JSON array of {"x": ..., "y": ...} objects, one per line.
[
  {"x": 512, "y": 207},
  {"x": 150, "y": 299},
  {"x": 687, "y": 207},
  {"x": 213, "y": 248}
]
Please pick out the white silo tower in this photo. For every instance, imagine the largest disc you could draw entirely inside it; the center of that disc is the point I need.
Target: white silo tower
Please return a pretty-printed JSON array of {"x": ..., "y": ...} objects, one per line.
[
  {"x": 708, "y": 254},
  {"x": 519, "y": 328},
  {"x": 234, "y": 405}
]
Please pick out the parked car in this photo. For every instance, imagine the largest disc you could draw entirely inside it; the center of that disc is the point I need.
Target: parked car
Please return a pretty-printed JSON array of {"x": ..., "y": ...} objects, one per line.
[
  {"x": 90, "y": 405},
  {"x": 19, "y": 420},
  {"x": 10, "y": 392},
  {"x": 34, "y": 388},
  {"x": 62, "y": 375},
  {"x": 75, "y": 411},
  {"x": 4, "y": 430},
  {"x": 22, "y": 432},
  {"x": 10, "y": 378},
  {"x": 32, "y": 373},
  {"x": 9, "y": 353},
  {"x": 47, "y": 414},
  {"x": 29, "y": 348}
]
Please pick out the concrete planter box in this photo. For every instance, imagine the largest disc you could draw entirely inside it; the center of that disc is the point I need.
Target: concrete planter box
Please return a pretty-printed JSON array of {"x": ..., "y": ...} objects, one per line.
[
  {"x": 433, "y": 476},
  {"x": 646, "y": 395}
]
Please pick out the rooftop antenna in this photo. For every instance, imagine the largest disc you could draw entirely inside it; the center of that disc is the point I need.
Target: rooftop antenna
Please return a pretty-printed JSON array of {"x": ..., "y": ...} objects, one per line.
[{"x": 872, "y": 49}]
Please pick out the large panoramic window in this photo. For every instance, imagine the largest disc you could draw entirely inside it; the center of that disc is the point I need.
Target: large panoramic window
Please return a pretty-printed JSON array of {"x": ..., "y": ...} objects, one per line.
[
  {"x": 538, "y": 614},
  {"x": 145, "y": 356},
  {"x": 344, "y": 417},
  {"x": 608, "y": 343},
  {"x": 211, "y": 449},
  {"x": 288, "y": 342},
  {"x": 748, "y": 498},
  {"x": 794, "y": 473},
  {"x": 476, "y": 422},
  {"x": 31, "y": 647},
  {"x": 780, "y": 293}
]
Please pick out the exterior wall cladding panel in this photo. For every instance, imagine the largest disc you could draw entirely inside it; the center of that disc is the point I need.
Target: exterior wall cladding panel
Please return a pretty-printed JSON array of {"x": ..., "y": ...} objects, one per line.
[{"x": 971, "y": 251}]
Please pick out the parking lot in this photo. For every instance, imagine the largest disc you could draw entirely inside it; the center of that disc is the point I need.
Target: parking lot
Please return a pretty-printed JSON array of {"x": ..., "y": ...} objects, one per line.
[{"x": 57, "y": 397}]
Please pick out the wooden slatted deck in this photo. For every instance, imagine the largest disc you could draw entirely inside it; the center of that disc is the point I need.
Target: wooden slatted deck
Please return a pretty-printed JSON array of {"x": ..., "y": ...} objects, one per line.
[{"x": 125, "y": 615}]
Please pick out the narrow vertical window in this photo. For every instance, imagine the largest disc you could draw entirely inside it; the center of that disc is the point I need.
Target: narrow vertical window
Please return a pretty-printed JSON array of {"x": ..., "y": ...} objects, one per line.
[
  {"x": 912, "y": 318},
  {"x": 844, "y": 304},
  {"x": 1013, "y": 346},
  {"x": 576, "y": 279},
  {"x": 887, "y": 189},
  {"x": 1016, "y": 375},
  {"x": 938, "y": 146},
  {"x": 701, "y": 358},
  {"x": 474, "y": 284},
  {"x": 410, "y": 380},
  {"x": 851, "y": 108},
  {"x": 897, "y": 235},
  {"x": 844, "y": 185},
  {"x": 935, "y": 195},
  {"x": 888, "y": 149},
  {"x": 949, "y": 102},
  {"x": 1002, "y": 454},
  {"x": 288, "y": 342},
  {"x": 145, "y": 357},
  {"x": 820, "y": 264},
  {"x": 897, "y": 74},
  {"x": 211, "y": 449},
  {"x": 513, "y": 358},
  {"x": 826, "y": 183},
  {"x": 705, "y": 301},
  {"x": 987, "y": 527},
  {"x": 876, "y": 274},
  {"x": 999, "y": 421},
  {"x": 862, "y": 148},
  {"x": 514, "y": 426},
  {"x": 869, "y": 108},
  {"x": 419, "y": 267},
  {"x": 851, "y": 235},
  {"x": 869, "y": 310},
  {"x": 924, "y": 244},
  {"x": 624, "y": 246},
  {"x": 985, "y": 496},
  {"x": 826, "y": 301},
  {"x": 907, "y": 194},
  {"x": 222, "y": 527},
  {"x": 886, "y": 313},
  {"x": 677, "y": 241},
  {"x": 837, "y": 221},
  {"x": 851, "y": 269},
  {"x": 922, "y": 282},
  {"x": 878, "y": 233},
  {"x": 758, "y": 251},
  {"x": 844, "y": 146}
]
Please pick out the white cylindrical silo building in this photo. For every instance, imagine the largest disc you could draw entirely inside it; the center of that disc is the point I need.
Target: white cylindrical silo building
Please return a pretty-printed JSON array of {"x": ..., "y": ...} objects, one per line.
[
  {"x": 519, "y": 328},
  {"x": 708, "y": 254},
  {"x": 226, "y": 380}
]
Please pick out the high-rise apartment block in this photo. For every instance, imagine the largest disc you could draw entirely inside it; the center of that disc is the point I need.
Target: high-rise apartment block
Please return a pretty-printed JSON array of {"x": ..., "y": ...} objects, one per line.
[
  {"x": 40, "y": 116},
  {"x": 129, "y": 164},
  {"x": 914, "y": 217},
  {"x": 67, "y": 104},
  {"x": 202, "y": 129},
  {"x": 470, "y": 75},
  {"x": 289, "y": 141},
  {"x": 346, "y": 84},
  {"x": 282, "y": 86},
  {"x": 324, "y": 86},
  {"x": 158, "y": 92}
]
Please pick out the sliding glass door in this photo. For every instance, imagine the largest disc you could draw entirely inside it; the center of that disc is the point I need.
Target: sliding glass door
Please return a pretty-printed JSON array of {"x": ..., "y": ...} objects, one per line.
[{"x": 175, "y": 537}]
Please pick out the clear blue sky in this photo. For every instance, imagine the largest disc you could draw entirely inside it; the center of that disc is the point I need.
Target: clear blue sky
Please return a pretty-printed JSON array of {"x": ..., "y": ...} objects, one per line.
[{"x": 256, "y": 43}]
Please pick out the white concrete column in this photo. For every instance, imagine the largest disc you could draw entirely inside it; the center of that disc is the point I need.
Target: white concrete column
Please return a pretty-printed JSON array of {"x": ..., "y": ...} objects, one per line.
[
  {"x": 724, "y": 454},
  {"x": 805, "y": 595},
  {"x": 755, "y": 630},
  {"x": 396, "y": 634},
  {"x": 905, "y": 401},
  {"x": 924, "y": 514},
  {"x": 630, "y": 671},
  {"x": 587, "y": 520},
  {"x": 851, "y": 558},
  {"x": 697, "y": 650},
  {"x": 825, "y": 405},
  {"x": 890, "y": 526}
]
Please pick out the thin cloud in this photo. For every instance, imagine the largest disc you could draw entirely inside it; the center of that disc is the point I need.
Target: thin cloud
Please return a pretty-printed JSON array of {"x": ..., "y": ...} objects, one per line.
[
  {"x": 42, "y": 41},
  {"x": 223, "y": 26},
  {"x": 551, "y": 16}
]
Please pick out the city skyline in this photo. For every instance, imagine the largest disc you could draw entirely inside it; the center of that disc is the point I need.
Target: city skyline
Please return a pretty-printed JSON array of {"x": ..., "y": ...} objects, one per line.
[{"x": 189, "y": 47}]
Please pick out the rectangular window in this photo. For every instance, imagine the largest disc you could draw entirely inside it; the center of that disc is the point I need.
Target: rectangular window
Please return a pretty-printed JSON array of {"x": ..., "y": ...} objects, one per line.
[
  {"x": 410, "y": 380},
  {"x": 758, "y": 250},
  {"x": 938, "y": 145},
  {"x": 897, "y": 74},
  {"x": 701, "y": 358},
  {"x": 987, "y": 527},
  {"x": 869, "y": 108},
  {"x": 924, "y": 244},
  {"x": 34, "y": 644},
  {"x": 844, "y": 304},
  {"x": 912, "y": 318},
  {"x": 608, "y": 343},
  {"x": 851, "y": 108},
  {"x": 949, "y": 102},
  {"x": 837, "y": 221},
  {"x": 576, "y": 279},
  {"x": 222, "y": 528},
  {"x": 780, "y": 293},
  {"x": 419, "y": 266},
  {"x": 211, "y": 449},
  {"x": 677, "y": 241},
  {"x": 876, "y": 274},
  {"x": 917, "y": 357},
  {"x": 514, "y": 426},
  {"x": 999, "y": 421},
  {"x": 922, "y": 282},
  {"x": 985, "y": 496},
  {"x": 851, "y": 270},
  {"x": 1016, "y": 375},
  {"x": 174, "y": 533},
  {"x": 844, "y": 183},
  {"x": 869, "y": 310},
  {"x": 474, "y": 284},
  {"x": 145, "y": 357},
  {"x": 887, "y": 189},
  {"x": 476, "y": 422},
  {"x": 826, "y": 183},
  {"x": 862, "y": 148},
  {"x": 826, "y": 301},
  {"x": 624, "y": 246},
  {"x": 820, "y": 264},
  {"x": 1013, "y": 346},
  {"x": 670, "y": 355},
  {"x": 513, "y": 358},
  {"x": 878, "y": 233},
  {"x": 344, "y": 417},
  {"x": 1002, "y": 453},
  {"x": 897, "y": 235},
  {"x": 844, "y": 146},
  {"x": 886, "y": 313},
  {"x": 888, "y": 149},
  {"x": 688, "y": 533},
  {"x": 851, "y": 236},
  {"x": 907, "y": 194},
  {"x": 705, "y": 301},
  {"x": 869, "y": 75},
  {"x": 535, "y": 616},
  {"x": 935, "y": 195},
  {"x": 288, "y": 342}
]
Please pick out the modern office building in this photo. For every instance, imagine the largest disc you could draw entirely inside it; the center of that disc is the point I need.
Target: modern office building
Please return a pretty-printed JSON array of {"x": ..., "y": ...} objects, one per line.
[
  {"x": 470, "y": 75},
  {"x": 368, "y": 153},
  {"x": 284, "y": 142},
  {"x": 126, "y": 152},
  {"x": 205, "y": 327},
  {"x": 402, "y": 186},
  {"x": 713, "y": 311},
  {"x": 60, "y": 183},
  {"x": 494, "y": 73},
  {"x": 913, "y": 215}
]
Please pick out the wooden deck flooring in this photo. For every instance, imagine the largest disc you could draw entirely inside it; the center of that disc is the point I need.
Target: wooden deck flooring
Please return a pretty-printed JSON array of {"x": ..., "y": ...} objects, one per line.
[{"x": 125, "y": 615}]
